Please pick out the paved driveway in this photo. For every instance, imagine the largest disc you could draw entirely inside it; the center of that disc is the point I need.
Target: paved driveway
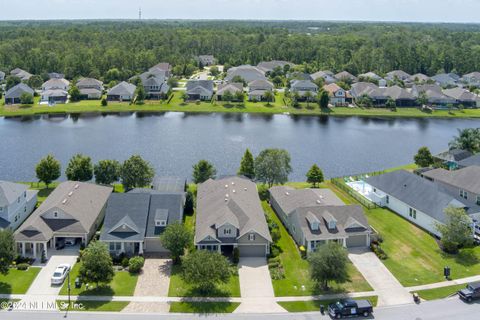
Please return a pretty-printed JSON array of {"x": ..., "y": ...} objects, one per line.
[
  {"x": 152, "y": 282},
  {"x": 41, "y": 286},
  {"x": 390, "y": 291},
  {"x": 256, "y": 287}
]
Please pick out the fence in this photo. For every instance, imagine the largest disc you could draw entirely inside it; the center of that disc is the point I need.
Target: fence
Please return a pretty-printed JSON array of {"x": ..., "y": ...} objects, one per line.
[{"x": 340, "y": 183}]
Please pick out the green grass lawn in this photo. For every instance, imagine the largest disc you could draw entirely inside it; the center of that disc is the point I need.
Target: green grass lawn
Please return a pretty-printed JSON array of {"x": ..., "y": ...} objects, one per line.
[
  {"x": 203, "y": 307},
  {"x": 17, "y": 281},
  {"x": 414, "y": 257},
  {"x": 123, "y": 284},
  {"x": 179, "y": 288},
  {"x": 177, "y": 104},
  {"x": 440, "y": 293},
  {"x": 314, "y": 305},
  {"x": 297, "y": 274},
  {"x": 111, "y": 306}
]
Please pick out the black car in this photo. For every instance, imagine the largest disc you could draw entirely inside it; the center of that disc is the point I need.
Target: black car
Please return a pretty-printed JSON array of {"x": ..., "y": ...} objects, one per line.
[
  {"x": 471, "y": 292},
  {"x": 349, "y": 308}
]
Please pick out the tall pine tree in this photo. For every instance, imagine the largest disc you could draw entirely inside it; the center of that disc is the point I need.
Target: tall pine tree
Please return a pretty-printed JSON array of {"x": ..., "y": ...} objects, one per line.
[{"x": 247, "y": 166}]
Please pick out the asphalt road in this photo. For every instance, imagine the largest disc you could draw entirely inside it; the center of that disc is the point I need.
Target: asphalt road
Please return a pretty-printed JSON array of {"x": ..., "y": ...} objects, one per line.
[{"x": 436, "y": 310}]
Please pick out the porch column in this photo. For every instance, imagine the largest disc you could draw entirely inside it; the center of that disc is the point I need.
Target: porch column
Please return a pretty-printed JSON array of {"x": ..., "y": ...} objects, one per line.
[
  {"x": 45, "y": 248},
  {"x": 122, "y": 247},
  {"x": 140, "y": 250},
  {"x": 34, "y": 245},
  {"x": 344, "y": 242},
  {"x": 23, "y": 249}
]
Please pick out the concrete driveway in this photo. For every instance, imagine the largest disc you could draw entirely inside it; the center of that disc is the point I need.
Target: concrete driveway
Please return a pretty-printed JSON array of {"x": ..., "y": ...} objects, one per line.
[
  {"x": 152, "y": 282},
  {"x": 390, "y": 291},
  {"x": 39, "y": 295},
  {"x": 256, "y": 287}
]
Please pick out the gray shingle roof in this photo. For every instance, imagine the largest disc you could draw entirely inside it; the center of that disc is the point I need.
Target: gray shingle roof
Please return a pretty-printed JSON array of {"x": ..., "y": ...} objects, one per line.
[
  {"x": 470, "y": 161},
  {"x": 461, "y": 94},
  {"x": 350, "y": 220},
  {"x": 268, "y": 66},
  {"x": 402, "y": 75},
  {"x": 17, "y": 91},
  {"x": 453, "y": 155},
  {"x": 199, "y": 86},
  {"x": 467, "y": 178},
  {"x": 122, "y": 89},
  {"x": 81, "y": 202},
  {"x": 246, "y": 72},
  {"x": 289, "y": 198},
  {"x": 231, "y": 87},
  {"x": 302, "y": 84},
  {"x": 241, "y": 207},
  {"x": 419, "y": 193},
  {"x": 169, "y": 184},
  {"x": 345, "y": 75},
  {"x": 129, "y": 210},
  {"x": 55, "y": 83},
  {"x": 9, "y": 192},
  {"x": 89, "y": 83}
]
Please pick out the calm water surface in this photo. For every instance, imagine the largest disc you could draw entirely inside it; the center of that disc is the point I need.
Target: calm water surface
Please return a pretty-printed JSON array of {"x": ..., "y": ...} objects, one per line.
[{"x": 173, "y": 142}]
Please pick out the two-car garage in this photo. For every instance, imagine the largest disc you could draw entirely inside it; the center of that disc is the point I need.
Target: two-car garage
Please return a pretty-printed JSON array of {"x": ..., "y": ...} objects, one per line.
[
  {"x": 355, "y": 241},
  {"x": 251, "y": 250}
]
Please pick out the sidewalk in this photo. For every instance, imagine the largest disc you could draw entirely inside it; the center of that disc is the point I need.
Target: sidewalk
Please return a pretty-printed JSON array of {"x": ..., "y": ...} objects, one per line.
[{"x": 444, "y": 284}]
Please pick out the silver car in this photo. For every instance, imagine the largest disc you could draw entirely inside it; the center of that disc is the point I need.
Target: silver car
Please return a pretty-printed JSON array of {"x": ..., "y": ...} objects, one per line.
[{"x": 60, "y": 273}]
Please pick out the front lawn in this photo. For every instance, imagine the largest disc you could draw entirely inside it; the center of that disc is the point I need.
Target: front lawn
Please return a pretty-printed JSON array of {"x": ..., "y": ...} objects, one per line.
[
  {"x": 314, "y": 305},
  {"x": 440, "y": 293},
  {"x": 110, "y": 306},
  {"x": 179, "y": 288},
  {"x": 203, "y": 307},
  {"x": 414, "y": 256},
  {"x": 297, "y": 280},
  {"x": 17, "y": 281},
  {"x": 123, "y": 284}
]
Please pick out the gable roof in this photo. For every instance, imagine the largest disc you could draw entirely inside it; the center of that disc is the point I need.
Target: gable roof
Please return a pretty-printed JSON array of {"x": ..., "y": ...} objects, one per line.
[
  {"x": 22, "y": 74},
  {"x": 345, "y": 75},
  {"x": 164, "y": 66},
  {"x": 268, "y": 66},
  {"x": 246, "y": 72},
  {"x": 332, "y": 88},
  {"x": 303, "y": 84},
  {"x": 199, "y": 86},
  {"x": 466, "y": 178},
  {"x": 419, "y": 77},
  {"x": 470, "y": 161},
  {"x": 18, "y": 90},
  {"x": 397, "y": 93},
  {"x": 55, "y": 83},
  {"x": 453, "y": 155},
  {"x": 9, "y": 192},
  {"x": 122, "y": 89},
  {"x": 444, "y": 79},
  {"x": 419, "y": 193},
  {"x": 461, "y": 94},
  {"x": 348, "y": 220},
  {"x": 169, "y": 184},
  {"x": 81, "y": 202},
  {"x": 231, "y": 87},
  {"x": 400, "y": 74},
  {"x": 370, "y": 75},
  {"x": 230, "y": 199},
  {"x": 89, "y": 82}
]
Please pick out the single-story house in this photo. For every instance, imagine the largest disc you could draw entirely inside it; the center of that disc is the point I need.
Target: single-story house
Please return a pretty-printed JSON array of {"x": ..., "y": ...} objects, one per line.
[
  {"x": 452, "y": 157},
  {"x": 418, "y": 78},
  {"x": 206, "y": 59},
  {"x": 317, "y": 216},
  {"x": 16, "y": 204},
  {"x": 464, "y": 182},
  {"x": 135, "y": 220},
  {"x": 301, "y": 87},
  {"x": 445, "y": 80},
  {"x": 463, "y": 97},
  {"x": 257, "y": 88},
  {"x": 345, "y": 76},
  {"x": 327, "y": 76},
  {"x": 199, "y": 90},
  {"x": 90, "y": 88},
  {"x": 14, "y": 94},
  {"x": 246, "y": 72},
  {"x": 56, "y": 75},
  {"x": 72, "y": 210},
  {"x": 399, "y": 74},
  {"x": 471, "y": 79},
  {"x": 418, "y": 200},
  {"x": 53, "y": 96},
  {"x": 56, "y": 83},
  {"x": 229, "y": 215},
  {"x": 380, "y": 96},
  {"x": 369, "y": 75},
  {"x": 22, "y": 74},
  {"x": 123, "y": 91},
  {"x": 269, "y": 66},
  {"x": 433, "y": 93},
  {"x": 232, "y": 88}
]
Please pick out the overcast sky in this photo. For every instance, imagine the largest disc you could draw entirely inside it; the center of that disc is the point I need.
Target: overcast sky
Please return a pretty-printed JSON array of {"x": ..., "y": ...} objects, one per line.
[{"x": 370, "y": 10}]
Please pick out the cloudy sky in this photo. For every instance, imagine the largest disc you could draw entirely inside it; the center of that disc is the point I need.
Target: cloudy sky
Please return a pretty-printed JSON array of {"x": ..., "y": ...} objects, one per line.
[{"x": 370, "y": 10}]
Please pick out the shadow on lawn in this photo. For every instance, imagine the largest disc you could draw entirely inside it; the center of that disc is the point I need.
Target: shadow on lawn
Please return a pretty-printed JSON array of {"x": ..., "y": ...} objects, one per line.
[
  {"x": 208, "y": 307},
  {"x": 467, "y": 257},
  {"x": 101, "y": 290},
  {"x": 5, "y": 288},
  {"x": 214, "y": 292}
]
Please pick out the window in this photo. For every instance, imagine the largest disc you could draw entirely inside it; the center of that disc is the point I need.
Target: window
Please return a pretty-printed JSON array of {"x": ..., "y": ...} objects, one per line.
[
  {"x": 25, "y": 209},
  {"x": 25, "y": 194},
  {"x": 251, "y": 237},
  {"x": 463, "y": 194},
  {"x": 387, "y": 199},
  {"x": 55, "y": 214},
  {"x": 112, "y": 246},
  {"x": 227, "y": 231},
  {"x": 478, "y": 202},
  {"x": 160, "y": 223},
  {"x": 412, "y": 213}
]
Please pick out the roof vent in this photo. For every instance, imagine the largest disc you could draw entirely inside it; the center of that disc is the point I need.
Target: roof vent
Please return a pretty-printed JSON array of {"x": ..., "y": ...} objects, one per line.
[
  {"x": 226, "y": 186},
  {"x": 287, "y": 193},
  {"x": 76, "y": 186},
  {"x": 226, "y": 199},
  {"x": 64, "y": 201},
  {"x": 245, "y": 189},
  {"x": 226, "y": 196},
  {"x": 70, "y": 193},
  {"x": 319, "y": 202},
  {"x": 233, "y": 183},
  {"x": 233, "y": 190}
]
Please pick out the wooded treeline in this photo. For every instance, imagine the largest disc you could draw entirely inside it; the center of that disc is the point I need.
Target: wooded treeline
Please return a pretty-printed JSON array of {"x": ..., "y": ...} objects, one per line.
[{"x": 91, "y": 48}]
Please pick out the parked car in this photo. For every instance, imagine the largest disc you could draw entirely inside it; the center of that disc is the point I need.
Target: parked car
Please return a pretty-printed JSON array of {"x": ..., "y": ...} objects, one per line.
[
  {"x": 60, "y": 274},
  {"x": 70, "y": 242},
  {"x": 471, "y": 292},
  {"x": 349, "y": 307},
  {"x": 60, "y": 243}
]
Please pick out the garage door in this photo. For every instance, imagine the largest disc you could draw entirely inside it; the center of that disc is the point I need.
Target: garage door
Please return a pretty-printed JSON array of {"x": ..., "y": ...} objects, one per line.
[
  {"x": 252, "y": 251},
  {"x": 153, "y": 245},
  {"x": 357, "y": 241}
]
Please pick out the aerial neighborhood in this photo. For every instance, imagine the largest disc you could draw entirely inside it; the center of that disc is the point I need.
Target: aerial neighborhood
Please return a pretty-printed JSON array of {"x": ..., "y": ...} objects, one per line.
[{"x": 272, "y": 82}]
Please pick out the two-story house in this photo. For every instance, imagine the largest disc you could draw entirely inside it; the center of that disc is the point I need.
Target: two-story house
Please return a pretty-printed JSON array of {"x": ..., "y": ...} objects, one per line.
[
  {"x": 338, "y": 96},
  {"x": 16, "y": 204},
  {"x": 301, "y": 87},
  {"x": 55, "y": 91},
  {"x": 230, "y": 215},
  {"x": 156, "y": 87},
  {"x": 257, "y": 89}
]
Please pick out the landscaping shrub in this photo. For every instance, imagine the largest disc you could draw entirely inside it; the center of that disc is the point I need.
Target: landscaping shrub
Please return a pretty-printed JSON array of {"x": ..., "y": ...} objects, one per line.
[
  {"x": 104, "y": 102},
  {"x": 274, "y": 251},
  {"x": 263, "y": 192},
  {"x": 135, "y": 264},
  {"x": 23, "y": 266},
  {"x": 125, "y": 262},
  {"x": 378, "y": 251},
  {"x": 236, "y": 255}
]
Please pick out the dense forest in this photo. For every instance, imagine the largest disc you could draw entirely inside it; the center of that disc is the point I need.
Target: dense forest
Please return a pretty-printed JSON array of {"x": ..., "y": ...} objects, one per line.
[{"x": 91, "y": 48}]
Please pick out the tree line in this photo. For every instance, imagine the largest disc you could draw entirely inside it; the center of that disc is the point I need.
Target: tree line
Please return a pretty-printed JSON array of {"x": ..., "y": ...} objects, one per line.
[{"x": 94, "y": 48}]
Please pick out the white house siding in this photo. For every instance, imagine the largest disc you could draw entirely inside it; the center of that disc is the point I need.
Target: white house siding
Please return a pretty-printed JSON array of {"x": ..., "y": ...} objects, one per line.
[
  {"x": 19, "y": 210},
  {"x": 423, "y": 220},
  {"x": 456, "y": 190}
]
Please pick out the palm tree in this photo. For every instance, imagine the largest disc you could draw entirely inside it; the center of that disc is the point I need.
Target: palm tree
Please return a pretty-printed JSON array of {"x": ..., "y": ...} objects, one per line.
[
  {"x": 268, "y": 96},
  {"x": 467, "y": 139}
]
